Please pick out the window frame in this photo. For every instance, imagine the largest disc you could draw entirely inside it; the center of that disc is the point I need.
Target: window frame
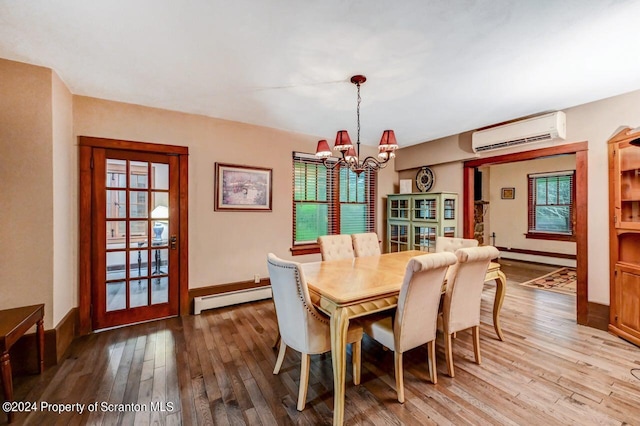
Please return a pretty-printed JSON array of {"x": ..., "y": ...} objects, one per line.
[
  {"x": 333, "y": 201},
  {"x": 532, "y": 233}
]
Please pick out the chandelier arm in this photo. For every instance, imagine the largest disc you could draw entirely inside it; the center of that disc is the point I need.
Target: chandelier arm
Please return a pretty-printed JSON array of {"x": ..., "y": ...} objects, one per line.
[
  {"x": 375, "y": 161},
  {"x": 331, "y": 164}
]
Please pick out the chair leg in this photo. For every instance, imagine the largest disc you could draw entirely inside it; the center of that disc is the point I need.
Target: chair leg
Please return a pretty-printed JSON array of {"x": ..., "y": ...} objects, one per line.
[
  {"x": 476, "y": 343},
  {"x": 304, "y": 381},
  {"x": 431, "y": 353},
  {"x": 448, "y": 354},
  {"x": 277, "y": 341},
  {"x": 356, "y": 358},
  {"x": 397, "y": 357},
  {"x": 283, "y": 349}
]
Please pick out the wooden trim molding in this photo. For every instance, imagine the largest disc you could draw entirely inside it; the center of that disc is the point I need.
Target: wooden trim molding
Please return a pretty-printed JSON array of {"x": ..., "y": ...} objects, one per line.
[
  {"x": 538, "y": 253},
  {"x": 131, "y": 145},
  {"x": 580, "y": 149},
  {"x": 549, "y": 236},
  {"x": 598, "y": 316},
  {"x": 305, "y": 249},
  {"x": 86, "y": 152},
  {"x": 183, "y": 290},
  {"x": 570, "y": 148}
]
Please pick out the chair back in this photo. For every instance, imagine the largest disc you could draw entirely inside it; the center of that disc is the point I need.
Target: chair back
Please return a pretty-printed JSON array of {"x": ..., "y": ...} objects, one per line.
[
  {"x": 461, "y": 306},
  {"x": 301, "y": 326},
  {"x": 335, "y": 247},
  {"x": 366, "y": 244},
  {"x": 416, "y": 318},
  {"x": 452, "y": 244}
]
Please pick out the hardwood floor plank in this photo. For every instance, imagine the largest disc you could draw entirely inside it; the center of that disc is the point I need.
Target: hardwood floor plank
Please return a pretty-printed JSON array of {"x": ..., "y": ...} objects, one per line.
[{"x": 217, "y": 369}]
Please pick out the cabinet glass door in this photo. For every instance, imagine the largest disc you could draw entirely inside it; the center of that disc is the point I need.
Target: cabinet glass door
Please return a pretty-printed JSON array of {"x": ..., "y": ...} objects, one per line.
[
  {"x": 449, "y": 208},
  {"x": 425, "y": 209},
  {"x": 399, "y": 208},
  {"x": 398, "y": 237},
  {"x": 629, "y": 198},
  {"x": 424, "y": 238}
]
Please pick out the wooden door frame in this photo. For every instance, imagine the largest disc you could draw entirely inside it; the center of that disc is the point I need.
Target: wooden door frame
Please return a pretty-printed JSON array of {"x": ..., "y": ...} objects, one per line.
[
  {"x": 86, "y": 146},
  {"x": 580, "y": 149}
]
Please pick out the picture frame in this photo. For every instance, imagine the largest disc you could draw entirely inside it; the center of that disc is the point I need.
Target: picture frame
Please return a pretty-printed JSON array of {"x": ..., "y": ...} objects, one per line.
[
  {"x": 508, "y": 193},
  {"x": 242, "y": 188}
]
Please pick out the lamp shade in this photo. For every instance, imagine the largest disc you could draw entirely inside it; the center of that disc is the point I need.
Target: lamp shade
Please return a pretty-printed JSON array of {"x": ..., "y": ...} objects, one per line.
[
  {"x": 343, "y": 141},
  {"x": 160, "y": 212},
  {"x": 351, "y": 155},
  {"x": 323, "y": 150},
  {"x": 388, "y": 141}
]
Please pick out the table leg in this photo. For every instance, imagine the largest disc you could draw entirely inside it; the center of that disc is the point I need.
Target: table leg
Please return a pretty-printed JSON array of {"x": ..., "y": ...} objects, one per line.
[
  {"x": 7, "y": 382},
  {"x": 40, "y": 332},
  {"x": 501, "y": 286},
  {"x": 339, "y": 325}
]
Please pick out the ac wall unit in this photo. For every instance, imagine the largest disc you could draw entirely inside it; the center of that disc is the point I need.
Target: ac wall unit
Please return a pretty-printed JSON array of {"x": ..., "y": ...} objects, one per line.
[{"x": 537, "y": 129}]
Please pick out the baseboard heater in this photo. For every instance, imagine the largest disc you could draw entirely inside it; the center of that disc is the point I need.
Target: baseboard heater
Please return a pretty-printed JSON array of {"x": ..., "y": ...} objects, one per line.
[{"x": 212, "y": 301}]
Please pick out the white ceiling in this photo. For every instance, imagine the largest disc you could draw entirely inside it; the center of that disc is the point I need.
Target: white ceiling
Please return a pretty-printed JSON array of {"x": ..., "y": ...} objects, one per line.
[{"x": 434, "y": 68}]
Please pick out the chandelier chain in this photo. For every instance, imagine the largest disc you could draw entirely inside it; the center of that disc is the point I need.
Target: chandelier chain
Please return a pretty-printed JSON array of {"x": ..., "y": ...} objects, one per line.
[{"x": 358, "y": 117}]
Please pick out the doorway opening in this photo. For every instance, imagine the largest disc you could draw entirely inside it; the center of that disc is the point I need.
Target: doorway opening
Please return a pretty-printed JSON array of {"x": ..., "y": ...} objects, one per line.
[{"x": 581, "y": 228}]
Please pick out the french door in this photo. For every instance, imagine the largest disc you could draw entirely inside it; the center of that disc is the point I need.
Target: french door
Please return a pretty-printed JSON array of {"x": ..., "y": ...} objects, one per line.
[{"x": 135, "y": 236}]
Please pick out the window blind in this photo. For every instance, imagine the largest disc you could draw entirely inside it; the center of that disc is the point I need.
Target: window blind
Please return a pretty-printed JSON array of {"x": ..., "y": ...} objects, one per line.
[
  {"x": 330, "y": 201},
  {"x": 551, "y": 201}
]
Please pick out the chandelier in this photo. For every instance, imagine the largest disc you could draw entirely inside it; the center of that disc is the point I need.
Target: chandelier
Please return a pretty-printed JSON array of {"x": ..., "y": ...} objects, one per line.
[{"x": 350, "y": 155}]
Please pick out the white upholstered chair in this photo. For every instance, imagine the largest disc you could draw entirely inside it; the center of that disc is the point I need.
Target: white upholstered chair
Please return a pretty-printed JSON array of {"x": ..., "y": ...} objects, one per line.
[
  {"x": 461, "y": 304},
  {"x": 335, "y": 247},
  {"x": 452, "y": 244},
  {"x": 366, "y": 244},
  {"x": 302, "y": 327},
  {"x": 416, "y": 318}
]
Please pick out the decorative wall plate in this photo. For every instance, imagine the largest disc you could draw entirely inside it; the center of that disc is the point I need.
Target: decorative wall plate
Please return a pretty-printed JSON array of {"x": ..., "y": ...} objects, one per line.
[{"x": 425, "y": 179}]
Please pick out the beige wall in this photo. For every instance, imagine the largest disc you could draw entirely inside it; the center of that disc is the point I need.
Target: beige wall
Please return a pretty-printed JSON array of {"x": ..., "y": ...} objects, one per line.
[
  {"x": 65, "y": 202},
  {"x": 39, "y": 126},
  {"x": 39, "y": 183},
  {"x": 595, "y": 123},
  {"x": 509, "y": 218},
  {"x": 26, "y": 191},
  {"x": 224, "y": 247}
]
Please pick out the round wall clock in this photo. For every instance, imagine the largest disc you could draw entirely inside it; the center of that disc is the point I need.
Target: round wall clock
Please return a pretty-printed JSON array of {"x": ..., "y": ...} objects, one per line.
[{"x": 425, "y": 179}]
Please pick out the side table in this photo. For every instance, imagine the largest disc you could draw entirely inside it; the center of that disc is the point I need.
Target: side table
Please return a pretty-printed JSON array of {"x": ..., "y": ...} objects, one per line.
[{"x": 13, "y": 324}]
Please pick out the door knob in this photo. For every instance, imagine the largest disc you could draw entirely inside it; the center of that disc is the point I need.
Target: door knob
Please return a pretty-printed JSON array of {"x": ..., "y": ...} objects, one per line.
[{"x": 173, "y": 241}]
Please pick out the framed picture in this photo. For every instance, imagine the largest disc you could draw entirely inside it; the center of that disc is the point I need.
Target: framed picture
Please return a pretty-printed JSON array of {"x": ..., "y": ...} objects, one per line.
[
  {"x": 508, "y": 193},
  {"x": 242, "y": 188}
]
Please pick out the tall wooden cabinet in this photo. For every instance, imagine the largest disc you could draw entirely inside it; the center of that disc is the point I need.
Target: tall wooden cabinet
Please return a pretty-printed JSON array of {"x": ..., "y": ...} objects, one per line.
[
  {"x": 624, "y": 235},
  {"x": 414, "y": 220}
]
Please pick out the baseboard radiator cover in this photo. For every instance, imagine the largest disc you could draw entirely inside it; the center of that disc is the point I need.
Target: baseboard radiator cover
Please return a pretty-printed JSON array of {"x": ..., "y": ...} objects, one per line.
[{"x": 213, "y": 301}]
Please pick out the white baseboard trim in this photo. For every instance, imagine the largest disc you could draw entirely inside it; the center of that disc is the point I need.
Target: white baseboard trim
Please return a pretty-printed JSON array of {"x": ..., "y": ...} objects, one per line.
[{"x": 231, "y": 298}]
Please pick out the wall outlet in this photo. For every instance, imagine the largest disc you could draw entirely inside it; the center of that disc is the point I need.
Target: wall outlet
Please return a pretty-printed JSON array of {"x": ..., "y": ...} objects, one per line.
[{"x": 256, "y": 278}]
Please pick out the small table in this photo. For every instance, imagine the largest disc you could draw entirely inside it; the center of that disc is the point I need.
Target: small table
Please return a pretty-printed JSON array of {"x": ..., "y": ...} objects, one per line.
[
  {"x": 352, "y": 288},
  {"x": 13, "y": 324}
]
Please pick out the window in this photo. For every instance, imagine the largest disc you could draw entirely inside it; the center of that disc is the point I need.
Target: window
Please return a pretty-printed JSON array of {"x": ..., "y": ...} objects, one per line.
[
  {"x": 327, "y": 202},
  {"x": 552, "y": 206}
]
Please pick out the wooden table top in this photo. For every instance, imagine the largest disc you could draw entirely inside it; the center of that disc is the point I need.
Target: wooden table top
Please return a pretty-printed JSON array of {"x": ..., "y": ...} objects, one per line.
[
  {"x": 351, "y": 280},
  {"x": 16, "y": 321}
]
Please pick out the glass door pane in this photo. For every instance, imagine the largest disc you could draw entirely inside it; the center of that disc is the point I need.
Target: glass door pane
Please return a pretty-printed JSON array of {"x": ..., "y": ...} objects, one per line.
[{"x": 136, "y": 249}]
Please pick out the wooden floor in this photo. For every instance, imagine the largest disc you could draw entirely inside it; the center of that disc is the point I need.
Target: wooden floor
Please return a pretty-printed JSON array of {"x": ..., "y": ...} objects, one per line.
[{"x": 216, "y": 368}]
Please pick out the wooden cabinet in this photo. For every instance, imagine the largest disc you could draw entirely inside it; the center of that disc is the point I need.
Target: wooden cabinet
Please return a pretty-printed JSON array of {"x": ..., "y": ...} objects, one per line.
[
  {"x": 415, "y": 220},
  {"x": 624, "y": 235}
]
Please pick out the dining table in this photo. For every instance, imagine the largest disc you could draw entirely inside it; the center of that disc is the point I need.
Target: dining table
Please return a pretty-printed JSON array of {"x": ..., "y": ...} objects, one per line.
[{"x": 351, "y": 288}]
